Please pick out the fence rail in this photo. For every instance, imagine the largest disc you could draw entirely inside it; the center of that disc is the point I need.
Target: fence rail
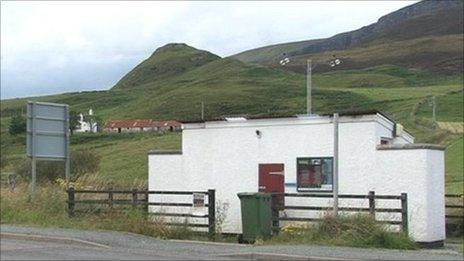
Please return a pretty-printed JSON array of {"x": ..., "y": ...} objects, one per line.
[
  {"x": 371, "y": 209},
  {"x": 137, "y": 201},
  {"x": 452, "y": 206}
]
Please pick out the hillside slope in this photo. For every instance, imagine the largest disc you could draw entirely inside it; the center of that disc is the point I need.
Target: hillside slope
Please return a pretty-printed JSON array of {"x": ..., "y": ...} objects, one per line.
[
  {"x": 426, "y": 19},
  {"x": 392, "y": 72},
  {"x": 167, "y": 61}
]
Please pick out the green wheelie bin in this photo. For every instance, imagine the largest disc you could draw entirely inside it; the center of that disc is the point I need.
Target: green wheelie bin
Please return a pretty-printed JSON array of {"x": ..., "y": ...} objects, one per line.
[{"x": 256, "y": 216}]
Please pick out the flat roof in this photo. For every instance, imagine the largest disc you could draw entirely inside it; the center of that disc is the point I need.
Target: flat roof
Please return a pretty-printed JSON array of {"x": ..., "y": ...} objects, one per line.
[
  {"x": 417, "y": 146},
  {"x": 165, "y": 152},
  {"x": 345, "y": 113}
]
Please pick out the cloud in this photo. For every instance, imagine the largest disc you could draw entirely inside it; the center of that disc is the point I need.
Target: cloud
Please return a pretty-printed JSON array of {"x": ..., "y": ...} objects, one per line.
[{"x": 52, "y": 47}]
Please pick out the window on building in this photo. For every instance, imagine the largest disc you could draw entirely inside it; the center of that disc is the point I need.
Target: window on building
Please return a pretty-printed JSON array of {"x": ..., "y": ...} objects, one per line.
[{"x": 314, "y": 174}]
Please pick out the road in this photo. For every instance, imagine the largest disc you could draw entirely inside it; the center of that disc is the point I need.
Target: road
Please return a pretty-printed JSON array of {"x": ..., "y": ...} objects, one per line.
[{"x": 28, "y": 243}]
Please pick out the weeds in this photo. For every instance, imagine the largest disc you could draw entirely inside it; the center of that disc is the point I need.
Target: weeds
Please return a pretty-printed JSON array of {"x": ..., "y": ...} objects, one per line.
[
  {"x": 49, "y": 210},
  {"x": 354, "y": 230}
]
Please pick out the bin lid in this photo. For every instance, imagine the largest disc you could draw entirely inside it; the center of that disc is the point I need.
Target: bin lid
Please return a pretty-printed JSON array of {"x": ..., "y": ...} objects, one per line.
[{"x": 253, "y": 194}]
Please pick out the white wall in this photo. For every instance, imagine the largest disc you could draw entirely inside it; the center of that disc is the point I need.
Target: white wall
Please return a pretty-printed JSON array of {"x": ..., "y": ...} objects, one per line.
[
  {"x": 227, "y": 159},
  {"x": 225, "y": 156},
  {"x": 420, "y": 174}
]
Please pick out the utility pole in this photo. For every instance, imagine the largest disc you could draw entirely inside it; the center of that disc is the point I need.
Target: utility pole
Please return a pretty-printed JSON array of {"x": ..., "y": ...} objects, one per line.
[
  {"x": 33, "y": 149},
  {"x": 308, "y": 86},
  {"x": 335, "y": 166},
  {"x": 309, "y": 69},
  {"x": 433, "y": 104},
  {"x": 202, "y": 111}
]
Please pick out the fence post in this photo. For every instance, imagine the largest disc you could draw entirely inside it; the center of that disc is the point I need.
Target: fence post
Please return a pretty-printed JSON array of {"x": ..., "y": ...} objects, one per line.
[
  {"x": 146, "y": 200},
  {"x": 275, "y": 214},
  {"x": 134, "y": 198},
  {"x": 371, "y": 197},
  {"x": 110, "y": 197},
  {"x": 71, "y": 202},
  {"x": 404, "y": 212},
  {"x": 211, "y": 212}
]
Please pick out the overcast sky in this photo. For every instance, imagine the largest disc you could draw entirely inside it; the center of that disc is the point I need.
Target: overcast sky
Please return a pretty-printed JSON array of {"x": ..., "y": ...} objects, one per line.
[{"x": 55, "y": 47}]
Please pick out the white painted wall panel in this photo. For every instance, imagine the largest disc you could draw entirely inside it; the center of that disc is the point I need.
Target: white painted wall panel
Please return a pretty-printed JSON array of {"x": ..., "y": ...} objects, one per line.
[{"x": 225, "y": 157}]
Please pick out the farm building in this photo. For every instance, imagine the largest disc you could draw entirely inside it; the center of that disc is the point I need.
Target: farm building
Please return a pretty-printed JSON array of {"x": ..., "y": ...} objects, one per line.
[
  {"x": 141, "y": 125},
  {"x": 163, "y": 126},
  {"x": 138, "y": 125},
  {"x": 295, "y": 155}
]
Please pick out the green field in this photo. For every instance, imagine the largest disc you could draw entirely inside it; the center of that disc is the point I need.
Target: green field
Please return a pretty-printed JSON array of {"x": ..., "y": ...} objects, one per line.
[
  {"x": 231, "y": 87},
  {"x": 454, "y": 159}
]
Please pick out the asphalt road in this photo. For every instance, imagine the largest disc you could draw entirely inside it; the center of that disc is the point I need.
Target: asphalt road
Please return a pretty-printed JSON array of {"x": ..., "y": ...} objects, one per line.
[{"x": 28, "y": 243}]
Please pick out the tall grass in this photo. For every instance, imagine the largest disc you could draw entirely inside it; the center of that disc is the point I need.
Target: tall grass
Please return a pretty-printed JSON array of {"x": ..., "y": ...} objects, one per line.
[
  {"x": 49, "y": 210},
  {"x": 350, "y": 230}
]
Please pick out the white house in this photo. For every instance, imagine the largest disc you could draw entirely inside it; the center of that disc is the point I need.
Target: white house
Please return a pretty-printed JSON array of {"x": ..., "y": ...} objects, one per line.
[
  {"x": 374, "y": 155},
  {"x": 86, "y": 126}
]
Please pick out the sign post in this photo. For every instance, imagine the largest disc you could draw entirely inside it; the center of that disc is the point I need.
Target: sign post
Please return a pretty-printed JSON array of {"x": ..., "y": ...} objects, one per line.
[
  {"x": 47, "y": 136},
  {"x": 335, "y": 170}
]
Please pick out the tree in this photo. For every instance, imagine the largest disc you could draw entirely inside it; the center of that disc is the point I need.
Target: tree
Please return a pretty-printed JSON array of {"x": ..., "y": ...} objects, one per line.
[
  {"x": 17, "y": 124},
  {"x": 73, "y": 121}
]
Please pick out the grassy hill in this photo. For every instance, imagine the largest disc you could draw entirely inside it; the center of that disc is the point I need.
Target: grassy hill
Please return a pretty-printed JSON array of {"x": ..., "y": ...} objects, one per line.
[
  {"x": 167, "y": 61},
  {"x": 232, "y": 87},
  {"x": 392, "y": 72}
]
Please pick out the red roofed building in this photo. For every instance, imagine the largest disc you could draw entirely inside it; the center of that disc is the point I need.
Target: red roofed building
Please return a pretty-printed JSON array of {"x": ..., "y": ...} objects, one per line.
[
  {"x": 166, "y": 125},
  {"x": 140, "y": 125},
  {"x": 129, "y": 125}
]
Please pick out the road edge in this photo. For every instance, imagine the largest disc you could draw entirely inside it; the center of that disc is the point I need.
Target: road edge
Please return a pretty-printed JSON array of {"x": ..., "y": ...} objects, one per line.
[{"x": 52, "y": 239}]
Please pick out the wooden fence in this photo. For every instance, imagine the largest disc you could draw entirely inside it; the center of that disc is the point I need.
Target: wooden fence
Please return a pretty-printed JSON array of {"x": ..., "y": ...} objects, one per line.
[
  {"x": 371, "y": 209},
  {"x": 454, "y": 207},
  {"x": 141, "y": 198}
]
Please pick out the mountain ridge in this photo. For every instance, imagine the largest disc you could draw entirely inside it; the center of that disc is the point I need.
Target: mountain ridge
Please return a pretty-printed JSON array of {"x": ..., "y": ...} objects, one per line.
[{"x": 423, "y": 19}]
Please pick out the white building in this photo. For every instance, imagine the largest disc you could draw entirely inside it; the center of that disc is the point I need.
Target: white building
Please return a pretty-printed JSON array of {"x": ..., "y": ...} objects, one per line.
[
  {"x": 86, "y": 126},
  {"x": 374, "y": 155}
]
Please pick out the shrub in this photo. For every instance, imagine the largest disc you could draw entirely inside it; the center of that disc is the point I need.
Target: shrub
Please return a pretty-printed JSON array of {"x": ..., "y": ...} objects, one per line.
[
  {"x": 82, "y": 162},
  {"x": 3, "y": 160},
  {"x": 46, "y": 170},
  {"x": 17, "y": 124}
]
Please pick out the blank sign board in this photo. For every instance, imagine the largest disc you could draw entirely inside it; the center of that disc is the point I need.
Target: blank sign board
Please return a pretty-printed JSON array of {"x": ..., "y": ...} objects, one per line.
[{"x": 47, "y": 130}]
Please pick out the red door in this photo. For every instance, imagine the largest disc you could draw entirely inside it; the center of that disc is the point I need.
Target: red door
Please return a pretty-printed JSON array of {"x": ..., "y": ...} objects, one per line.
[{"x": 271, "y": 180}]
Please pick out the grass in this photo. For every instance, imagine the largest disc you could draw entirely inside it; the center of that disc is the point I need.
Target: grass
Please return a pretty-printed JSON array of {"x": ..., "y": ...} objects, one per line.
[
  {"x": 454, "y": 158},
  {"x": 350, "y": 230},
  {"x": 49, "y": 210},
  {"x": 230, "y": 87},
  {"x": 123, "y": 157},
  {"x": 419, "y": 52},
  {"x": 384, "y": 76}
]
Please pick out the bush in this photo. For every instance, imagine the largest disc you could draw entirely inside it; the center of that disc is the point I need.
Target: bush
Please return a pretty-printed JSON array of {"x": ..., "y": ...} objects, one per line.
[
  {"x": 82, "y": 162},
  {"x": 17, "y": 124},
  {"x": 46, "y": 170},
  {"x": 353, "y": 230},
  {"x": 3, "y": 161}
]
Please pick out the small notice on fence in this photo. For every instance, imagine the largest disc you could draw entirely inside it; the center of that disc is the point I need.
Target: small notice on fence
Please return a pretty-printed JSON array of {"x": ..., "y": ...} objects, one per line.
[{"x": 198, "y": 200}]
